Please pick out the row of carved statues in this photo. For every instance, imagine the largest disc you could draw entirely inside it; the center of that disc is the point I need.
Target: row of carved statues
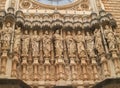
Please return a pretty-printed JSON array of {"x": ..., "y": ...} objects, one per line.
[
  {"x": 68, "y": 56},
  {"x": 57, "y": 41}
]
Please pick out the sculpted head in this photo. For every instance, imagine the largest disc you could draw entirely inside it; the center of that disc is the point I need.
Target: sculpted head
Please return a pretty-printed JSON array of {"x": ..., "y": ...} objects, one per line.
[
  {"x": 46, "y": 32},
  {"x": 57, "y": 31},
  {"x": 8, "y": 24},
  {"x": 68, "y": 33},
  {"x": 35, "y": 32},
  {"x": 79, "y": 32},
  {"x": 26, "y": 32},
  {"x": 106, "y": 27},
  {"x": 88, "y": 33},
  {"x": 18, "y": 28},
  {"x": 110, "y": 34}
]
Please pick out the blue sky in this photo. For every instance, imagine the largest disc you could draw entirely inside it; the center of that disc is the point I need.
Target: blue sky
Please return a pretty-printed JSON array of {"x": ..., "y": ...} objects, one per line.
[{"x": 56, "y": 2}]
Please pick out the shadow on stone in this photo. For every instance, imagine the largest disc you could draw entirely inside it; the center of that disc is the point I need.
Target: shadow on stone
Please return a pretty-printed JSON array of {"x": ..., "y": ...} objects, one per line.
[
  {"x": 108, "y": 83},
  {"x": 13, "y": 83}
]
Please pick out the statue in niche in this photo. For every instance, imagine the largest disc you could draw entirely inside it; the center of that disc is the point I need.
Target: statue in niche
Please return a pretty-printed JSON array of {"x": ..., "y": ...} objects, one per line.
[
  {"x": 58, "y": 40},
  {"x": 25, "y": 43},
  {"x": 111, "y": 41},
  {"x": 71, "y": 47},
  {"x": 98, "y": 41},
  {"x": 89, "y": 44},
  {"x": 17, "y": 39},
  {"x": 7, "y": 35},
  {"x": 35, "y": 43},
  {"x": 46, "y": 44},
  {"x": 110, "y": 38},
  {"x": 80, "y": 42},
  {"x": 117, "y": 36}
]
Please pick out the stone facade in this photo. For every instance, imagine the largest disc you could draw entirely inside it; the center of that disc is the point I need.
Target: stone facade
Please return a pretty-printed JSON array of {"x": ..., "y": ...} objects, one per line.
[
  {"x": 2, "y": 4},
  {"x": 45, "y": 46},
  {"x": 112, "y": 6}
]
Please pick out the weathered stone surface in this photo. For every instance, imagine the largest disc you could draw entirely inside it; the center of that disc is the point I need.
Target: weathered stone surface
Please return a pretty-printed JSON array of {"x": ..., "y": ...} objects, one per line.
[{"x": 47, "y": 45}]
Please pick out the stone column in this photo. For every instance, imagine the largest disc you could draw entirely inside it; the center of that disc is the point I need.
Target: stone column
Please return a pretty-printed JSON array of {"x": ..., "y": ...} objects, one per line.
[
  {"x": 94, "y": 66},
  {"x": 24, "y": 68},
  {"x": 115, "y": 59},
  {"x": 47, "y": 69},
  {"x": 14, "y": 65},
  {"x": 35, "y": 69},
  {"x": 84, "y": 69},
  {"x": 17, "y": 2},
  {"x": 7, "y": 4},
  {"x": 105, "y": 66},
  {"x": 60, "y": 68},
  {"x": 73, "y": 65},
  {"x": 4, "y": 59},
  {"x": 93, "y": 5}
]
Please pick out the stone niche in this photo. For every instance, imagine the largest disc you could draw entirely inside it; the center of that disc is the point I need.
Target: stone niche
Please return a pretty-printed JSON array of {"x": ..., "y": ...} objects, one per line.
[
  {"x": 13, "y": 83},
  {"x": 109, "y": 83}
]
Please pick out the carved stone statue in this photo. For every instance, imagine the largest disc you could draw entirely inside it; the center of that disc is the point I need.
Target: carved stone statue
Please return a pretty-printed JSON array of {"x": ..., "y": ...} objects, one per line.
[
  {"x": 58, "y": 44},
  {"x": 89, "y": 44},
  {"x": 111, "y": 41},
  {"x": 17, "y": 39},
  {"x": 117, "y": 35},
  {"x": 71, "y": 47},
  {"x": 7, "y": 35},
  {"x": 46, "y": 44},
  {"x": 98, "y": 42},
  {"x": 80, "y": 42},
  {"x": 109, "y": 35},
  {"x": 35, "y": 43},
  {"x": 25, "y": 43}
]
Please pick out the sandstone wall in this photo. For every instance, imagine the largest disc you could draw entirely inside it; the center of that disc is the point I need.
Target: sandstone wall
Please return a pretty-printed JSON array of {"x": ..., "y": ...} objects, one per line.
[
  {"x": 113, "y": 6},
  {"x": 2, "y": 4}
]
